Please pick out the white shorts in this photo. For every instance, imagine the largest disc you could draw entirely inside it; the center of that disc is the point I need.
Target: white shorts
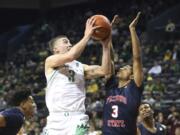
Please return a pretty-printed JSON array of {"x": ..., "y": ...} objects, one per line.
[{"x": 67, "y": 123}]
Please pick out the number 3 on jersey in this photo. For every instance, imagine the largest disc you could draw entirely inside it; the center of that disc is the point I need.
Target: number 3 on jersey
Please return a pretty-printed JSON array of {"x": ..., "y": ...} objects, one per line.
[{"x": 114, "y": 113}]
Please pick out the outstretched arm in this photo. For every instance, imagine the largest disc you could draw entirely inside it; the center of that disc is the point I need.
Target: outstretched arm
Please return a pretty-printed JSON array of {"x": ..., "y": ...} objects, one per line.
[
  {"x": 116, "y": 20},
  {"x": 137, "y": 61}
]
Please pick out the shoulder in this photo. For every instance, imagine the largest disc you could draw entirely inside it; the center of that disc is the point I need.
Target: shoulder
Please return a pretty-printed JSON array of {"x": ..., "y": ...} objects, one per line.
[
  {"x": 134, "y": 85},
  {"x": 8, "y": 110},
  {"x": 161, "y": 127},
  {"x": 11, "y": 111},
  {"x": 48, "y": 59},
  {"x": 12, "y": 116}
]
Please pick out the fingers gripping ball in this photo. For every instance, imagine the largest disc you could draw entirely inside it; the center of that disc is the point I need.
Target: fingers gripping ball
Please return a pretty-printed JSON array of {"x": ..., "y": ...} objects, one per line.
[{"x": 104, "y": 29}]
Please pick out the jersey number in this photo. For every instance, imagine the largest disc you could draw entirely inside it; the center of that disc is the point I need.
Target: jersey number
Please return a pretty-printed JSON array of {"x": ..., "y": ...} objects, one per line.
[
  {"x": 71, "y": 76},
  {"x": 114, "y": 113}
]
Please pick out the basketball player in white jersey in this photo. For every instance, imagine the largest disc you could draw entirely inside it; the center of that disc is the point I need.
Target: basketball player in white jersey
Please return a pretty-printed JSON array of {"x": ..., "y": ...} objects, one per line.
[{"x": 65, "y": 93}]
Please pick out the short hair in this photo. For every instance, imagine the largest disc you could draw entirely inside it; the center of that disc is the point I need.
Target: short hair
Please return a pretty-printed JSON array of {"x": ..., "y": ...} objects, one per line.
[
  {"x": 142, "y": 103},
  {"x": 52, "y": 42},
  {"x": 20, "y": 96}
]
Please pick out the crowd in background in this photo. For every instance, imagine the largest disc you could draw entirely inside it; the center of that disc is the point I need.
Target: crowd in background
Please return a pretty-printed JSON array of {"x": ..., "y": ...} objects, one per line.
[{"x": 24, "y": 69}]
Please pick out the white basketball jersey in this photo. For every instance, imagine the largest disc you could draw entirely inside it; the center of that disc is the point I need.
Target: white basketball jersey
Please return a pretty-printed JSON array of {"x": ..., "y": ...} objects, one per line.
[{"x": 66, "y": 89}]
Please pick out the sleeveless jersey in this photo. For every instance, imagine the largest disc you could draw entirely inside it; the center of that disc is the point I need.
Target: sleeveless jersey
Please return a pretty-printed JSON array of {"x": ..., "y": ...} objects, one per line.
[
  {"x": 65, "y": 89},
  {"x": 121, "y": 109},
  {"x": 160, "y": 129},
  {"x": 14, "y": 121}
]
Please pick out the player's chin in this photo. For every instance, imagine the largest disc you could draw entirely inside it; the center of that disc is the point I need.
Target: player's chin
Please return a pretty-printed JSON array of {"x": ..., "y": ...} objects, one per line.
[
  {"x": 31, "y": 114},
  {"x": 147, "y": 114}
]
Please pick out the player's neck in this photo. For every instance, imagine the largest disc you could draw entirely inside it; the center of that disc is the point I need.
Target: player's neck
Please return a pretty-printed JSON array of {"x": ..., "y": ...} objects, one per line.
[
  {"x": 21, "y": 110},
  {"x": 149, "y": 122},
  {"x": 123, "y": 83}
]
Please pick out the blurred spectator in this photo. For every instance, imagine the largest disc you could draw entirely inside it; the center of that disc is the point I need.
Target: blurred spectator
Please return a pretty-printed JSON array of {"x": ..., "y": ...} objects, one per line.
[
  {"x": 2, "y": 102},
  {"x": 173, "y": 120},
  {"x": 148, "y": 98},
  {"x": 178, "y": 82},
  {"x": 160, "y": 118},
  {"x": 167, "y": 55},
  {"x": 149, "y": 85},
  {"x": 156, "y": 69},
  {"x": 177, "y": 131},
  {"x": 174, "y": 68},
  {"x": 170, "y": 27},
  {"x": 175, "y": 53},
  {"x": 158, "y": 87},
  {"x": 92, "y": 87},
  {"x": 158, "y": 103}
]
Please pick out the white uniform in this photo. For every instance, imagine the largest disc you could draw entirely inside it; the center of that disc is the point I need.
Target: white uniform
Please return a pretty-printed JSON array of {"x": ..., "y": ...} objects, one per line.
[{"x": 65, "y": 97}]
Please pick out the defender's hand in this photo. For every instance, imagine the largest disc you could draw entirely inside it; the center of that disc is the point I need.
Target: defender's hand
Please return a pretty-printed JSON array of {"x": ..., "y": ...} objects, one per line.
[
  {"x": 135, "y": 21},
  {"x": 116, "y": 20}
]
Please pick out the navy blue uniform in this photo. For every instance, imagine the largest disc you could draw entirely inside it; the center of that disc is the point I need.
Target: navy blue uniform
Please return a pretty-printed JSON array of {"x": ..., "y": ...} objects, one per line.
[
  {"x": 160, "y": 130},
  {"x": 14, "y": 121},
  {"x": 121, "y": 109}
]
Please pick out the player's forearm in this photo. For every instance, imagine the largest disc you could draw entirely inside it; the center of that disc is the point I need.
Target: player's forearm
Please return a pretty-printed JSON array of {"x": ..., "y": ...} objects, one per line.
[
  {"x": 112, "y": 59},
  {"x": 77, "y": 49},
  {"x": 106, "y": 60},
  {"x": 112, "y": 52},
  {"x": 135, "y": 43}
]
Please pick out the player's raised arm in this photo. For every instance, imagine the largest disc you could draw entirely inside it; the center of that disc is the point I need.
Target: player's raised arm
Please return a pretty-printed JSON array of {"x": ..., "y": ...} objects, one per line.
[
  {"x": 62, "y": 48},
  {"x": 137, "y": 61},
  {"x": 93, "y": 71},
  {"x": 116, "y": 20}
]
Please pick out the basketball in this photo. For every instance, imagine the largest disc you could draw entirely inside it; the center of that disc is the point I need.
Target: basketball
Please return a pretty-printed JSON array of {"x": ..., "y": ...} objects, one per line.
[{"x": 105, "y": 27}]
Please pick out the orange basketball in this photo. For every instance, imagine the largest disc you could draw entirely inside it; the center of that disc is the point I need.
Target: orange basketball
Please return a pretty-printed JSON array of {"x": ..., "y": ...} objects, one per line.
[{"x": 105, "y": 27}]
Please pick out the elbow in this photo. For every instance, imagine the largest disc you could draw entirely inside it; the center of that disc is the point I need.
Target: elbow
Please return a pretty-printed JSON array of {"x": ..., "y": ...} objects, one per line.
[{"x": 106, "y": 72}]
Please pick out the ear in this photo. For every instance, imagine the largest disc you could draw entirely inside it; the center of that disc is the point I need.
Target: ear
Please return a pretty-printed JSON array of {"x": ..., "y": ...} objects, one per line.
[
  {"x": 22, "y": 104},
  {"x": 54, "y": 50}
]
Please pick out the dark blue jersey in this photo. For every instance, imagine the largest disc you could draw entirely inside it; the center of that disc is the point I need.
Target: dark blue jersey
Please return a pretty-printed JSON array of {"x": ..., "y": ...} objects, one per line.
[
  {"x": 121, "y": 110},
  {"x": 111, "y": 83},
  {"x": 160, "y": 130},
  {"x": 14, "y": 121}
]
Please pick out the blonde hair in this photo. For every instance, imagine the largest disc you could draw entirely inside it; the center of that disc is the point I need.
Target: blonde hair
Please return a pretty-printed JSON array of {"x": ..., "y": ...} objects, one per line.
[{"x": 52, "y": 42}]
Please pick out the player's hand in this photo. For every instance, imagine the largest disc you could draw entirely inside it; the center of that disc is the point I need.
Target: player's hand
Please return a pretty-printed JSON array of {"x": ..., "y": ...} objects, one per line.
[
  {"x": 116, "y": 20},
  {"x": 135, "y": 21},
  {"x": 90, "y": 28}
]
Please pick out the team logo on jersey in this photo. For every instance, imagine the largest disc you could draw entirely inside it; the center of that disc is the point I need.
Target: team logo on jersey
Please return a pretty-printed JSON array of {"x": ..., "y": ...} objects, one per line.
[
  {"x": 116, "y": 123},
  {"x": 117, "y": 98},
  {"x": 77, "y": 64}
]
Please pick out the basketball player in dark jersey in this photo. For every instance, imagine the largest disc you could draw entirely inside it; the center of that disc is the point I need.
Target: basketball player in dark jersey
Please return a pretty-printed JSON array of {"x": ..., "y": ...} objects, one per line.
[
  {"x": 12, "y": 119},
  {"x": 148, "y": 126},
  {"x": 123, "y": 99}
]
